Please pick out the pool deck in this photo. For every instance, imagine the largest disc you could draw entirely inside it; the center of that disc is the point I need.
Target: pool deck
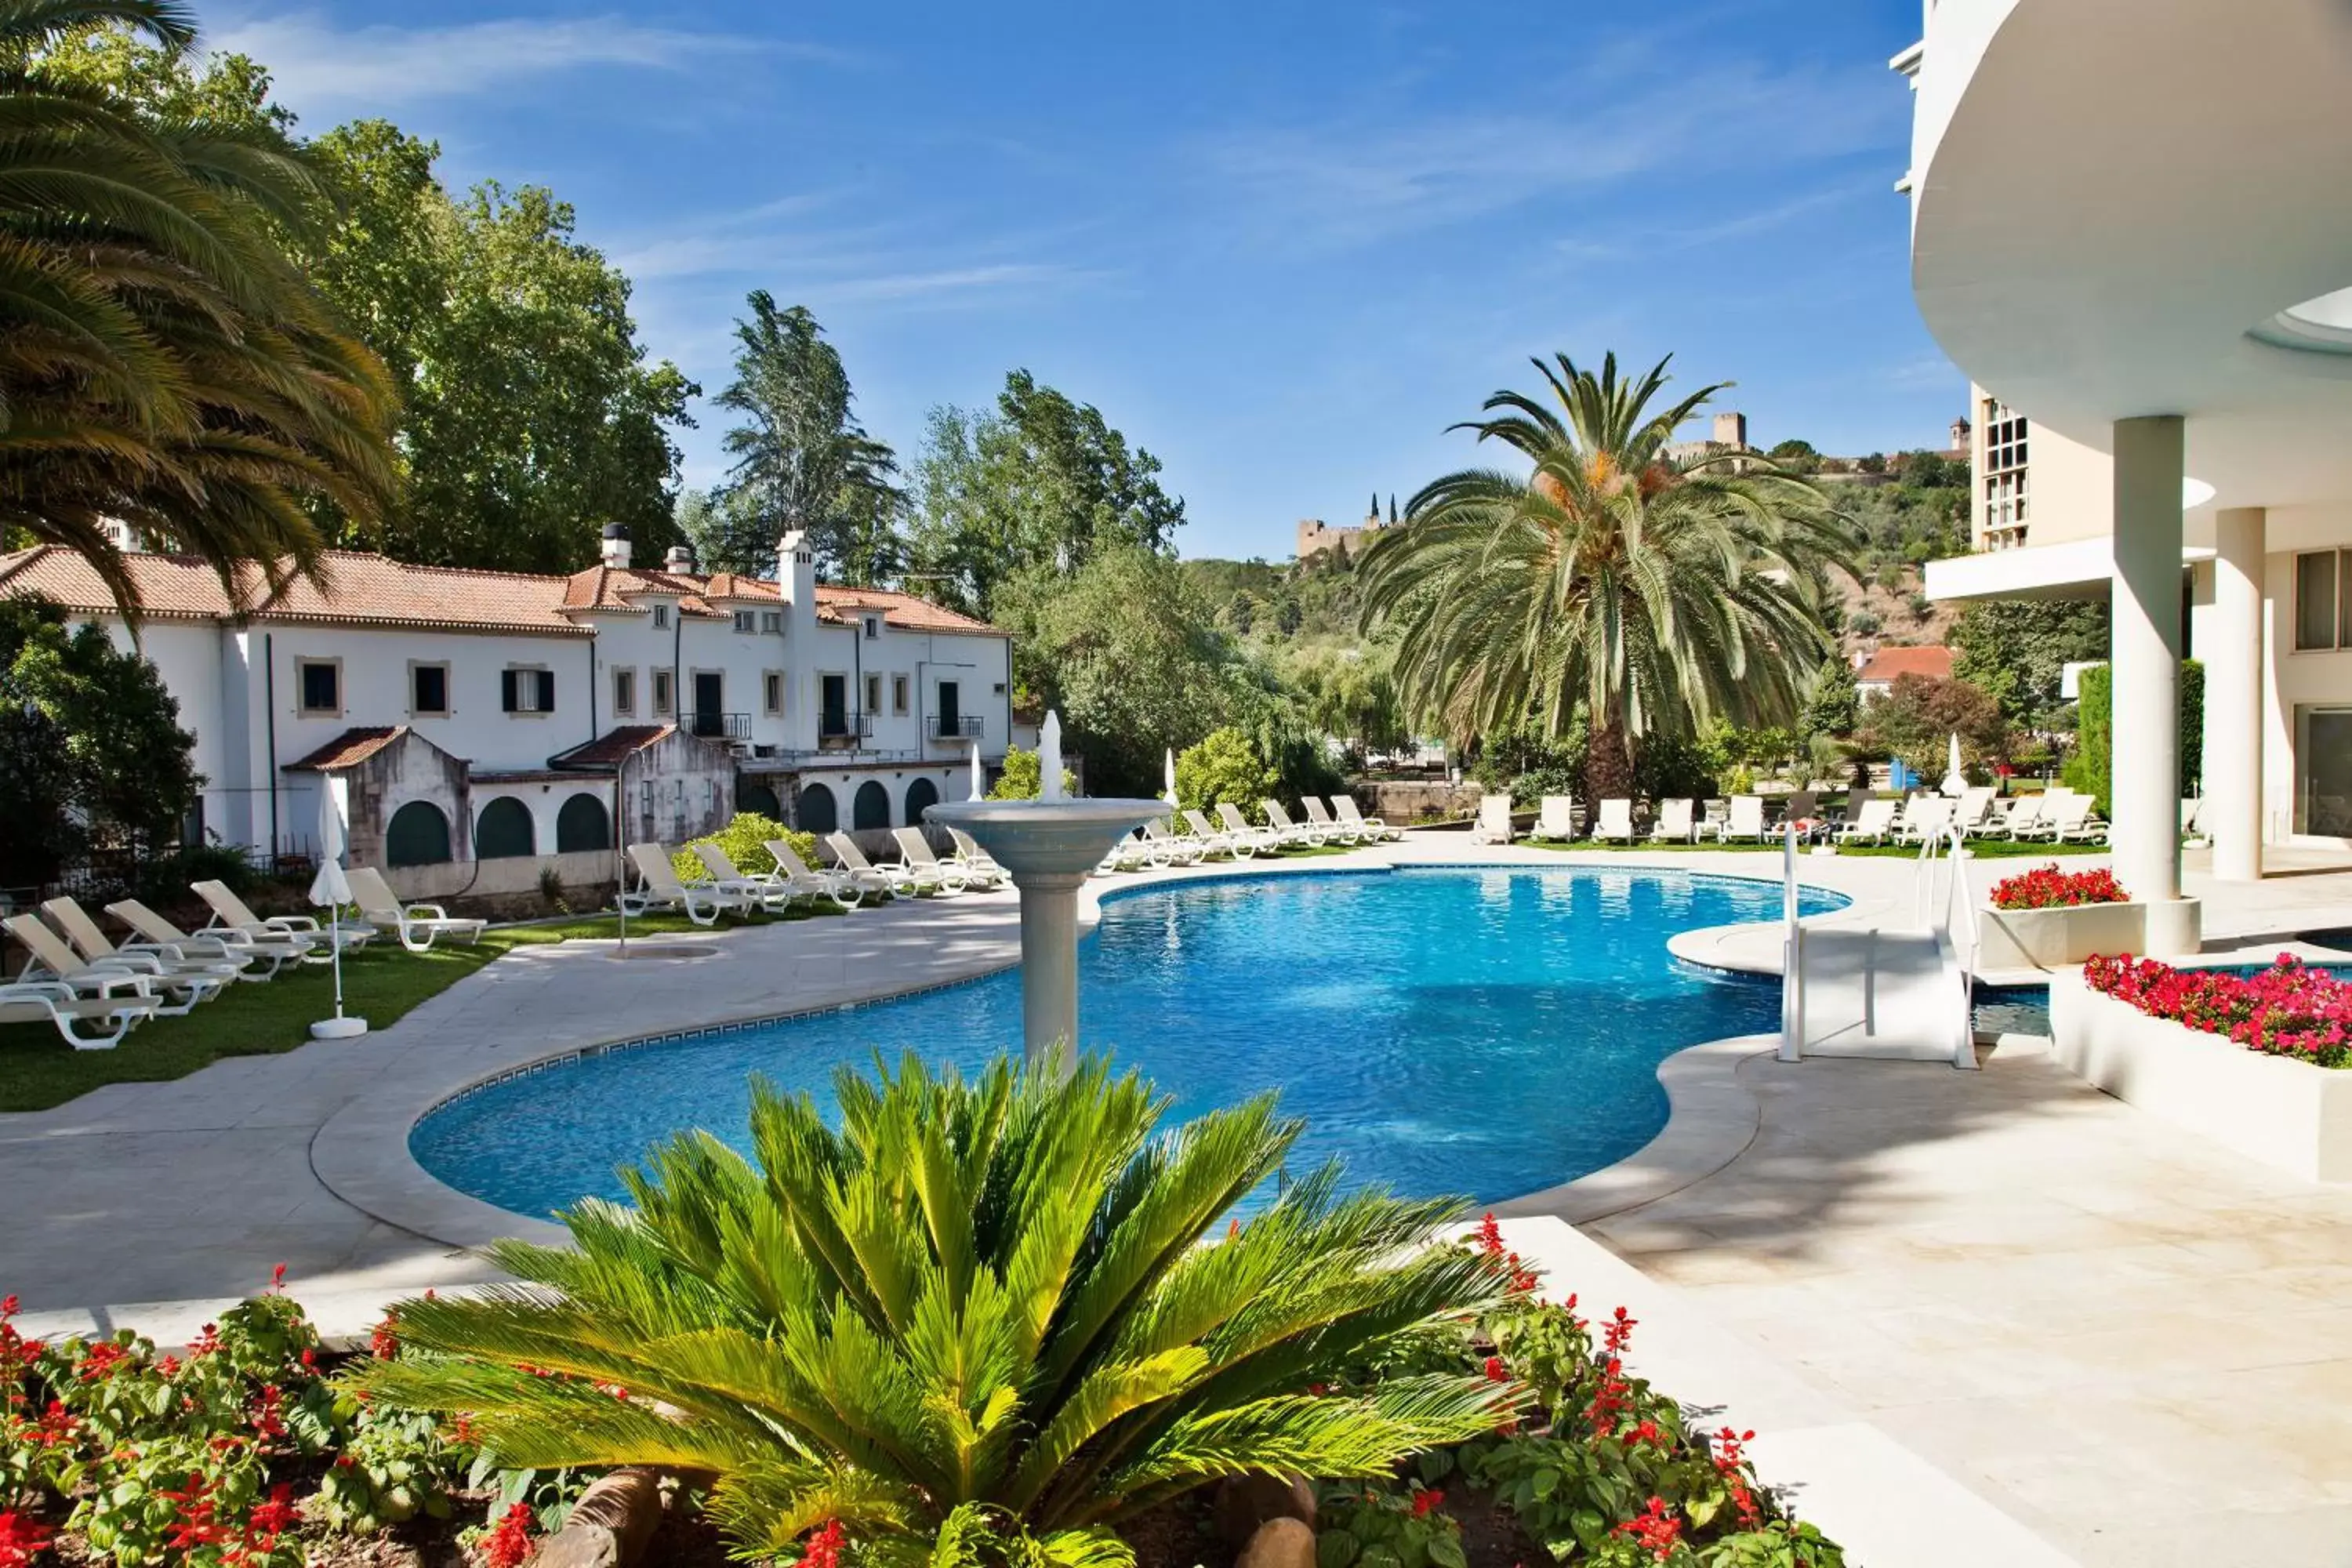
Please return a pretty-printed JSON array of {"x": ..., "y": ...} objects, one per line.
[{"x": 2135, "y": 1346}]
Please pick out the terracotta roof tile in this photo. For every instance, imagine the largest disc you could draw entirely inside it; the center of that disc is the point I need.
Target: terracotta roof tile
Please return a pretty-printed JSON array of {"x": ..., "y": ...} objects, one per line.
[
  {"x": 170, "y": 586},
  {"x": 608, "y": 749},
  {"x": 349, "y": 749},
  {"x": 902, "y": 610},
  {"x": 1934, "y": 662}
]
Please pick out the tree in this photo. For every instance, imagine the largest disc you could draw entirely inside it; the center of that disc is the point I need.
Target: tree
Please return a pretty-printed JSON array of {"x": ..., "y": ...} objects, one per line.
[
  {"x": 1040, "y": 482},
  {"x": 978, "y": 1312},
  {"x": 1654, "y": 595},
  {"x": 802, "y": 462},
  {"x": 2018, "y": 650},
  {"x": 1915, "y": 721},
  {"x": 164, "y": 362},
  {"x": 90, "y": 747},
  {"x": 2091, "y": 768},
  {"x": 1126, "y": 651},
  {"x": 1225, "y": 766},
  {"x": 1835, "y": 706},
  {"x": 1023, "y": 777},
  {"x": 1796, "y": 456}
]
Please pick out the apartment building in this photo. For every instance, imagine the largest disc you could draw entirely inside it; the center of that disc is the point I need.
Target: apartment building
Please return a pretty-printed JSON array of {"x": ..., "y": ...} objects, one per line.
[{"x": 457, "y": 716}]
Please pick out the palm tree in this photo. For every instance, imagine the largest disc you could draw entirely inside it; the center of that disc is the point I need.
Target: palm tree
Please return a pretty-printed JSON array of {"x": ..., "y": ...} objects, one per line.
[
  {"x": 163, "y": 363},
  {"x": 1653, "y": 594},
  {"x": 978, "y": 1313}
]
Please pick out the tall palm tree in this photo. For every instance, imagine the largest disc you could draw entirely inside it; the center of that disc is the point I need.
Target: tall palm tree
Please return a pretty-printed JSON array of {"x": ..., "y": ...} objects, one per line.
[
  {"x": 979, "y": 1311},
  {"x": 1653, "y": 594},
  {"x": 163, "y": 363}
]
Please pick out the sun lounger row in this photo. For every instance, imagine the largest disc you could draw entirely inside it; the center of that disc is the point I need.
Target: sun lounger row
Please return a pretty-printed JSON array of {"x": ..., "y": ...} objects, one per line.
[
  {"x": 2058, "y": 817},
  {"x": 1233, "y": 835},
  {"x": 726, "y": 888}
]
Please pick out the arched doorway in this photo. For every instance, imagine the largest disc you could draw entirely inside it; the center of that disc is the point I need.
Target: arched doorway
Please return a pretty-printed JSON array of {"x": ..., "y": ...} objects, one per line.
[
  {"x": 583, "y": 824},
  {"x": 871, "y": 809},
  {"x": 503, "y": 831},
  {"x": 819, "y": 812},
  {"x": 921, "y": 794},
  {"x": 417, "y": 835},
  {"x": 758, "y": 798}
]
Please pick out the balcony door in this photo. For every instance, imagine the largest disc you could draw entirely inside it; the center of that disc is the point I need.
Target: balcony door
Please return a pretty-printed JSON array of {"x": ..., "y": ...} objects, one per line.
[
  {"x": 834, "y": 706},
  {"x": 709, "y": 704},
  {"x": 950, "y": 710}
]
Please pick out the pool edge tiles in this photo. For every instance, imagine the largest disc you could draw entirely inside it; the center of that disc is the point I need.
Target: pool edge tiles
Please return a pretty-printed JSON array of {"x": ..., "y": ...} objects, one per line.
[{"x": 1256, "y": 978}]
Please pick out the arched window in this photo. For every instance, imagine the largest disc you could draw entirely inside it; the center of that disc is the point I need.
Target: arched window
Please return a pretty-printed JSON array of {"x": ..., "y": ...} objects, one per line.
[
  {"x": 921, "y": 794},
  {"x": 503, "y": 831},
  {"x": 759, "y": 798},
  {"x": 819, "y": 812},
  {"x": 872, "y": 806},
  {"x": 417, "y": 835},
  {"x": 582, "y": 825}
]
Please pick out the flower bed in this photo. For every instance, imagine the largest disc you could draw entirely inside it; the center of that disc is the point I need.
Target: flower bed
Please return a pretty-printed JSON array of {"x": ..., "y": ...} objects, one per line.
[
  {"x": 2048, "y": 887},
  {"x": 2242, "y": 1060}
]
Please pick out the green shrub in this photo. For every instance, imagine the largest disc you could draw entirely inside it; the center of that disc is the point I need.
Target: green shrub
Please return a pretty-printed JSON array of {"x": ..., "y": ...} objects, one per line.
[
  {"x": 1024, "y": 779},
  {"x": 2089, "y": 769},
  {"x": 972, "y": 1325},
  {"x": 745, "y": 842},
  {"x": 1224, "y": 767}
]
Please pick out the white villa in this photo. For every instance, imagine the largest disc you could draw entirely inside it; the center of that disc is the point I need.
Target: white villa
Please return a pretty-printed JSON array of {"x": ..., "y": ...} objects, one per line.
[
  {"x": 2126, "y": 230},
  {"x": 464, "y": 717}
]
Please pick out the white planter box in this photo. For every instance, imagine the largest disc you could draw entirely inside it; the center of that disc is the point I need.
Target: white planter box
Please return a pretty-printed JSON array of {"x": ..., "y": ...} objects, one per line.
[
  {"x": 2286, "y": 1114},
  {"x": 2054, "y": 939}
]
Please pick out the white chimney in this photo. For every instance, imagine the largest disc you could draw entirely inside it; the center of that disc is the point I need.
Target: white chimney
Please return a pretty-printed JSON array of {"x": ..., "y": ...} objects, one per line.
[
  {"x": 679, "y": 561},
  {"x": 124, "y": 536},
  {"x": 615, "y": 551}
]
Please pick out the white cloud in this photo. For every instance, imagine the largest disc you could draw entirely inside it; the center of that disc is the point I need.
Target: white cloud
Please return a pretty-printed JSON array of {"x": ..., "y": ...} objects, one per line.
[{"x": 324, "y": 71}]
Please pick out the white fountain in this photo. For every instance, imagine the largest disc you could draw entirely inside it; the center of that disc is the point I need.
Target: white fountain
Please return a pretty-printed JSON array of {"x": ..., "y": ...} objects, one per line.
[{"x": 1048, "y": 844}]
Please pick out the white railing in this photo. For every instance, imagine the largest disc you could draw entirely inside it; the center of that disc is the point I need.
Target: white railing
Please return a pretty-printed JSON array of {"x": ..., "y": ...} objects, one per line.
[
  {"x": 1941, "y": 883},
  {"x": 1949, "y": 847}
]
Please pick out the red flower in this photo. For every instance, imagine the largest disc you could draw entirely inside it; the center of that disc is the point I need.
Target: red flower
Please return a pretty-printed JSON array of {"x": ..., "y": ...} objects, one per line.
[
  {"x": 1731, "y": 1464},
  {"x": 21, "y": 1539},
  {"x": 1425, "y": 1503},
  {"x": 1618, "y": 1332},
  {"x": 276, "y": 1516},
  {"x": 277, "y": 1277},
  {"x": 267, "y": 1420},
  {"x": 508, "y": 1542},
  {"x": 206, "y": 1341},
  {"x": 384, "y": 1339},
  {"x": 197, "y": 1524},
  {"x": 2288, "y": 1009},
  {"x": 1495, "y": 1370},
  {"x": 1490, "y": 1236},
  {"x": 100, "y": 1360},
  {"x": 2048, "y": 887},
  {"x": 823, "y": 1550},
  {"x": 1655, "y": 1529}
]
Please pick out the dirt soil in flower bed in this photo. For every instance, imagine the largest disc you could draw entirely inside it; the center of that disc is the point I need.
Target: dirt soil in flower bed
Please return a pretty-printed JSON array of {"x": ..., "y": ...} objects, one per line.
[{"x": 1180, "y": 1535}]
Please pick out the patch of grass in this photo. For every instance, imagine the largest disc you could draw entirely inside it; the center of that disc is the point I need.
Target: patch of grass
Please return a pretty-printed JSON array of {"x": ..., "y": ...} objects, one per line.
[{"x": 381, "y": 983}]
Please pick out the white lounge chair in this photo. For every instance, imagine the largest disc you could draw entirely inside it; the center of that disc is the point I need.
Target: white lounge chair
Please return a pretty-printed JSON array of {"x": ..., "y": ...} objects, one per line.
[
  {"x": 232, "y": 913},
  {"x": 419, "y": 926},
  {"x": 174, "y": 996},
  {"x": 1128, "y": 853},
  {"x": 1318, "y": 816},
  {"x": 899, "y": 878},
  {"x": 1555, "y": 819},
  {"x": 2017, "y": 815},
  {"x": 1169, "y": 847},
  {"x": 83, "y": 935},
  {"x": 2070, "y": 819},
  {"x": 916, "y": 852},
  {"x": 1744, "y": 820},
  {"x": 1974, "y": 810},
  {"x": 1291, "y": 832},
  {"x": 659, "y": 886},
  {"x": 973, "y": 857},
  {"x": 1676, "y": 822},
  {"x": 72, "y": 1011},
  {"x": 263, "y": 956},
  {"x": 1493, "y": 824},
  {"x": 1212, "y": 839},
  {"x": 1873, "y": 823},
  {"x": 769, "y": 889},
  {"x": 802, "y": 880},
  {"x": 1369, "y": 828},
  {"x": 1247, "y": 838},
  {"x": 1929, "y": 816},
  {"x": 1614, "y": 823}
]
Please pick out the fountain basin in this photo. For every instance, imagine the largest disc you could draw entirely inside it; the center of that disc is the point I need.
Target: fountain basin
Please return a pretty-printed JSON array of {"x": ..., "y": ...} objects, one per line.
[{"x": 1068, "y": 838}]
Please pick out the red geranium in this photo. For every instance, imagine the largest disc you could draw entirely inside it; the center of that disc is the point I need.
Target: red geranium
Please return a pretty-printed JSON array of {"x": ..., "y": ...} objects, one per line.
[
  {"x": 2288, "y": 1010},
  {"x": 2048, "y": 887}
]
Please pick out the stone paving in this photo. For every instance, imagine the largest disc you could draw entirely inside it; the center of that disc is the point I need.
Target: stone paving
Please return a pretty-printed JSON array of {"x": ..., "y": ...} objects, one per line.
[{"x": 2127, "y": 1341}]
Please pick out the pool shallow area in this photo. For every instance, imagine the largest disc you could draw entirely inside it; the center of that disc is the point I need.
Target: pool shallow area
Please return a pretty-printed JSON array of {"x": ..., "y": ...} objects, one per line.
[{"x": 1480, "y": 1031}]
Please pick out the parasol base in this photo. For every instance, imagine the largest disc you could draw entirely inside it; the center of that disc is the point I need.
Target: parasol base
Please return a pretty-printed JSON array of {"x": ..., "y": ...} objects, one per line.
[{"x": 338, "y": 1028}]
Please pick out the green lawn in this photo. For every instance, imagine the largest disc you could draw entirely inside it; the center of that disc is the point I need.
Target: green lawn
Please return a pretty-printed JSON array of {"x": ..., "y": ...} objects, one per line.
[{"x": 381, "y": 983}]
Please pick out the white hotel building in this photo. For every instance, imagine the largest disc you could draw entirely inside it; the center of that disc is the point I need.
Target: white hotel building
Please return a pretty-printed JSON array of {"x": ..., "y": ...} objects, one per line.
[
  {"x": 470, "y": 724},
  {"x": 2129, "y": 229}
]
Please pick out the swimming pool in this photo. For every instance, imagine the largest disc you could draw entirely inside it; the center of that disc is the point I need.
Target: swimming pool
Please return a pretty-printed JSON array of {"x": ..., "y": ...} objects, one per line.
[{"x": 1485, "y": 1032}]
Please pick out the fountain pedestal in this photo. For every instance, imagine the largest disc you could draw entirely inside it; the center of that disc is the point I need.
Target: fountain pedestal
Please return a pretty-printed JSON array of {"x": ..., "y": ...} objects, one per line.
[{"x": 1048, "y": 847}]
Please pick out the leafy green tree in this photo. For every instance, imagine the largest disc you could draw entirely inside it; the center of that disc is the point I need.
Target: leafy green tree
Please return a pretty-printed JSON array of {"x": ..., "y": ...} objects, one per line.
[
  {"x": 1914, "y": 723},
  {"x": 1040, "y": 483},
  {"x": 976, "y": 1322},
  {"x": 802, "y": 462},
  {"x": 90, "y": 746},
  {"x": 2018, "y": 650},
  {"x": 2091, "y": 769},
  {"x": 1656, "y": 596},
  {"x": 1349, "y": 693},
  {"x": 1023, "y": 777},
  {"x": 163, "y": 360},
  {"x": 1128, "y": 653},
  {"x": 1835, "y": 706},
  {"x": 1225, "y": 766}
]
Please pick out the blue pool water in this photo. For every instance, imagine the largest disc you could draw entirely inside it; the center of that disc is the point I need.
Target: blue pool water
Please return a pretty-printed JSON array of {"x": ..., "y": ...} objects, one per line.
[{"x": 1465, "y": 1031}]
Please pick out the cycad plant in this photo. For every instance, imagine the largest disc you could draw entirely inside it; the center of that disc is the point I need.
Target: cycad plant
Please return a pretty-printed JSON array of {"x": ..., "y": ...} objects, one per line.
[
  {"x": 164, "y": 363},
  {"x": 1655, "y": 594},
  {"x": 979, "y": 1322}
]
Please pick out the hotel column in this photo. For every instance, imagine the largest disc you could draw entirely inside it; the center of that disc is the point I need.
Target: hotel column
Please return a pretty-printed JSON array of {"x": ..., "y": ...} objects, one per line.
[
  {"x": 2234, "y": 697},
  {"x": 2143, "y": 784}
]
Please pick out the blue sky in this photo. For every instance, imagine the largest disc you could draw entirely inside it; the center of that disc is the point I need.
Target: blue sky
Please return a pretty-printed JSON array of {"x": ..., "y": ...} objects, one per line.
[{"x": 1282, "y": 246}]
